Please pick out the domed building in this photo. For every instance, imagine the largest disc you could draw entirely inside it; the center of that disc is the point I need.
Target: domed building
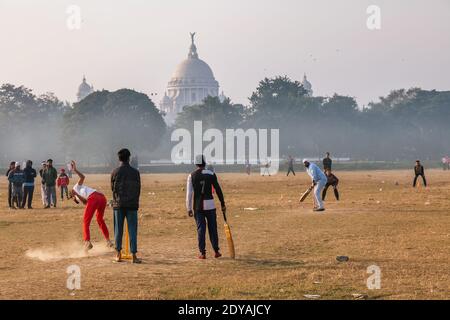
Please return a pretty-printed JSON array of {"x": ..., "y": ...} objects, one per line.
[
  {"x": 192, "y": 81},
  {"x": 84, "y": 89}
]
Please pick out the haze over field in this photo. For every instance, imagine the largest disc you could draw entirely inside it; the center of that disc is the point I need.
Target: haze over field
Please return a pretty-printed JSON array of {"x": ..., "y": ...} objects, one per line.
[{"x": 137, "y": 44}]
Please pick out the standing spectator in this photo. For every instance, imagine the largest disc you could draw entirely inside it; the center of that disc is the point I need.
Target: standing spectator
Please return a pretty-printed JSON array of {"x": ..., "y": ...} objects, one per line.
[
  {"x": 126, "y": 190},
  {"x": 327, "y": 162},
  {"x": 50, "y": 175},
  {"x": 16, "y": 177},
  {"x": 28, "y": 185},
  {"x": 62, "y": 183},
  {"x": 43, "y": 192},
  {"x": 419, "y": 171},
  {"x": 290, "y": 166},
  {"x": 11, "y": 168}
]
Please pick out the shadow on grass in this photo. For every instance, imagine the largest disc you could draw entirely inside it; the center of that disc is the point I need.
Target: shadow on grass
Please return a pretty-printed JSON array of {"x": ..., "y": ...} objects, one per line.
[{"x": 269, "y": 263}]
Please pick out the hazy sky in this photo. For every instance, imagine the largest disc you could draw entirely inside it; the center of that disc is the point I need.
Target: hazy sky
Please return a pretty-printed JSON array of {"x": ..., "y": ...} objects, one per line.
[{"x": 138, "y": 44}]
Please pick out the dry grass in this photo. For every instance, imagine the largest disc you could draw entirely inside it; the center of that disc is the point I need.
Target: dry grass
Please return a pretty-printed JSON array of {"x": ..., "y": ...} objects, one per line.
[{"x": 284, "y": 250}]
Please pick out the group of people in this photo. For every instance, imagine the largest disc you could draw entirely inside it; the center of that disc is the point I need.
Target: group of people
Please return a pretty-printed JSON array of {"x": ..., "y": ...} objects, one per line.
[{"x": 21, "y": 184}]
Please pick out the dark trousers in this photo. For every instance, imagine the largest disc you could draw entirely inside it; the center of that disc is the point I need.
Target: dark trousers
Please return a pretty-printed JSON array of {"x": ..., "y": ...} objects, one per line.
[
  {"x": 204, "y": 218},
  {"x": 65, "y": 190},
  {"x": 120, "y": 214},
  {"x": 290, "y": 169},
  {"x": 336, "y": 192},
  {"x": 423, "y": 178},
  {"x": 27, "y": 196},
  {"x": 10, "y": 203},
  {"x": 17, "y": 195}
]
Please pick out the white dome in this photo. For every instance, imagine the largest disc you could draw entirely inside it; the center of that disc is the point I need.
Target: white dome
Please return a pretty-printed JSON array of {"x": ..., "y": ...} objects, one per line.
[{"x": 193, "y": 69}]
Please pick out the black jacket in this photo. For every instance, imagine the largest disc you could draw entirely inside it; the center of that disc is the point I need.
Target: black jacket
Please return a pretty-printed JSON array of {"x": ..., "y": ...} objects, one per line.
[
  {"x": 126, "y": 187},
  {"x": 30, "y": 174},
  {"x": 418, "y": 170},
  {"x": 327, "y": 162},
  {"x": 202, "y": 183}
]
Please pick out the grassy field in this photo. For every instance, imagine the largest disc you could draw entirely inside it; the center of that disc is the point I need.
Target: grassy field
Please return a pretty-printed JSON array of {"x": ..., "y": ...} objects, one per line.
[{"x": 284, "y": 250}]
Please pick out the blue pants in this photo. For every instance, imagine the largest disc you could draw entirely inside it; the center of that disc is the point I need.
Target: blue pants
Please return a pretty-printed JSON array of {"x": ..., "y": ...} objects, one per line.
[
  {"x": 51, "y": 195},
  {"x": 132, "y": 220},
  {"x": 202, "y": 218}
]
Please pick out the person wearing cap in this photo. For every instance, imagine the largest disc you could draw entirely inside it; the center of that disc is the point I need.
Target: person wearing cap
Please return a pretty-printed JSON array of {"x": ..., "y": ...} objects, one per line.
[
  {"x": 319, "y": 180},
  {"x": 126, "y": 190},
  {"x": 12, "y": 165},
  {"x": 95, "y": 202},
  {"x": 43, "y": 192},
  {"x": 16, "y": 177},
  {"x": 419, "y": 172},
  {"x": 28, "y": 184},
  {"x": 62, "y": 183},
  {"x": 200, "y": 184},
  {"x": 49, "y": 176}
]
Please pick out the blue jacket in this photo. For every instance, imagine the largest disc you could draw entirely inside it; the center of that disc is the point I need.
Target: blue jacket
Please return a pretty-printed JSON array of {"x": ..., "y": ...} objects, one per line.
[{"x": 16, "y": 177}]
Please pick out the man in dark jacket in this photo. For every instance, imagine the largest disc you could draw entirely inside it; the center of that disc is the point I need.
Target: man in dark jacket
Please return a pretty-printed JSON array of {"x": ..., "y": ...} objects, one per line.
[
  {"x": 28, "y": 185},
  {"x": 126, "y": 190},
  {"x": 327, "y": 162},
  {"x": 11, "y": 168},
  {"x": 16, "y": 178},
  {"x": 200, "y": 184},
  {"x": 49, "y": 176},
  {"x": 419, "y": 171}
]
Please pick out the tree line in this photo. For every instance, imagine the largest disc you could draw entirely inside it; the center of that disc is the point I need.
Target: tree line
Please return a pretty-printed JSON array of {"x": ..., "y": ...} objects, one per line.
[{"x": 405, "y": 124}]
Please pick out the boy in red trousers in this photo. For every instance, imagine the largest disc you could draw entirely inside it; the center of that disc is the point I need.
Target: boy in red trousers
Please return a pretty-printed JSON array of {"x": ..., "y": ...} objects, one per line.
[{"x": 95, "y": 202}]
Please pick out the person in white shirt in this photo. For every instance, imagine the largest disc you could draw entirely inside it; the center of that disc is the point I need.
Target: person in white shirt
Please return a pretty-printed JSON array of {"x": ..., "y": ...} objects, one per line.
[
  {"x": 319, "y": 180},
  {"x": 95, "y": 202}
]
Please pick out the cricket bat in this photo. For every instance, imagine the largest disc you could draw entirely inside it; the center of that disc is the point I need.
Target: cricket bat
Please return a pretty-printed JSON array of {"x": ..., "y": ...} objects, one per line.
[
  {"x": 306, "y": 193},
  {"x": 229, "y": 236}
]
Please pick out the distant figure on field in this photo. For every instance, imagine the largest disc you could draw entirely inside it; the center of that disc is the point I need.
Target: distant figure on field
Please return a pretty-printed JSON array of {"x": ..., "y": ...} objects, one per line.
[
  {"x": 16, "y": 177},
  {"x": 43, "y": 192},
  {"x": 248, "y": 167},
  {"x": 290, "y": 165},
  {"x": 333, "y": 181},
  {"x": 446, "y": 163},
  {"x": 266, "y": 167},
  {"x": 95, "y": 202},
  {"x": 12, "y": 165},
  {"x": 419, "y": 171},
  {"x": 28, "y": 185},
  {"x": 126, "y": 190},
  {"x": 63, "y": 183},
  {"x": 319, "y": 180},
  {"x": 327, "y": 162},
  {"x": 49, "y": 176},
  {"x": 199, "y": 188}
]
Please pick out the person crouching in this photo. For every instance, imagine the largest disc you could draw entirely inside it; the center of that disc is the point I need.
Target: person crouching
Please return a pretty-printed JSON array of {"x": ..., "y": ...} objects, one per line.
[{"x": 95, "y": 202}]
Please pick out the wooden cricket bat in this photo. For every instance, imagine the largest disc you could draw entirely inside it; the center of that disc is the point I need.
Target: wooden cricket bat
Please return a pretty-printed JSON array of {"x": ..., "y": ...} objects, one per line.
[
  {"x": 229, "y": 236},
  {"x": 306, "y": 193}
]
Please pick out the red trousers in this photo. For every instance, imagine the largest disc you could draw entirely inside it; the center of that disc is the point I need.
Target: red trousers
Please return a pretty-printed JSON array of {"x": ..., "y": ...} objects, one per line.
[{"x": 95, "y": 202}]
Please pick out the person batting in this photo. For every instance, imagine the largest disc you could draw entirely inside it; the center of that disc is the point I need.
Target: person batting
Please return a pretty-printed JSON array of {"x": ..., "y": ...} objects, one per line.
[{"x": 319, "y": 180}]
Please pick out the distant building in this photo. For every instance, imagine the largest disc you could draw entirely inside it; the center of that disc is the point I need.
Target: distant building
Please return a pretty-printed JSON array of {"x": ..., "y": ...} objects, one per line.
[
  {"x": 84, "y": 89},
  {"x": 307, "y": 85},
  {"x": 192, "y": 81}
]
